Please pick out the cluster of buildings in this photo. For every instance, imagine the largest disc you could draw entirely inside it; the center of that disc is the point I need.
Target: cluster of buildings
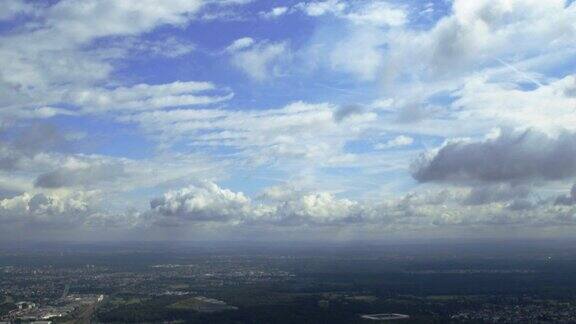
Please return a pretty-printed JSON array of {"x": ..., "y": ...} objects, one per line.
[
  {"x": 532, "y": 313},
  {"x": 45, "y": 283},
  {"x": 40, "y": 292},
  {"x": 34, "y": 313}
]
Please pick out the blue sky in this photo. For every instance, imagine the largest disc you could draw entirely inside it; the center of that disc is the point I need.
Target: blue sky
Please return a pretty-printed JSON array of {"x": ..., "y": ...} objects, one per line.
[{"x": 325, "y": 119}]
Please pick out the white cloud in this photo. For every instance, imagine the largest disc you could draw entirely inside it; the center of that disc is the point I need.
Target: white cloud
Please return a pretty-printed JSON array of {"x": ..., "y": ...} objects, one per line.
[
  {"x": 358, "y": 54},
  {"x": 398, "y": 141},
  {"x": 275, "y": 12},
  {"x": 207, "y": 202},
  {"x": 420, "y": 211},
  {"x": 52, "y": 55},
  {"x": 50, "y": 216},
  {"x": 361, "y": 40},
  {"x": 53, "y": 210},
  {"x": 259, "y": 61},
  {"x": 147, "y": 97},
  {"x": 77, "y": 22},
  {"x": 12, "y": 8},
  {"x": 372, "y": 12},
  {"x": 478, "y": 33},
  {"x": 546, "y": 107},
  {"x": 170, "y": 47},
  {"x": 240, "y": 44},
  {"x": 299, "y": 131},
  {"x": 202, "y": 202},
  {"x": 378, "y": 13},
  {"x": 319, "y": 8},
  {"x": 67, "y": 25},
  {"x": 516, "y": 39}
]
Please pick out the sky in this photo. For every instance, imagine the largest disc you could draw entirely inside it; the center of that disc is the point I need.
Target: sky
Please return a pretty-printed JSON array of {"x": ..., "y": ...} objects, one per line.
[{"x": 287, "y": 120}]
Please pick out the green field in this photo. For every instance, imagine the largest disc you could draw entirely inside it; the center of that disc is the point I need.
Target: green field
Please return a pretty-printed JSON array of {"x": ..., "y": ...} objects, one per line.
[{"x": 201, "y": 305}]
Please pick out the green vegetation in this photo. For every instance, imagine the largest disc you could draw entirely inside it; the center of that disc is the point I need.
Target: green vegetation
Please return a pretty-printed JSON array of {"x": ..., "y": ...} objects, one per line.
[
  {"x": 121, "y": 301},
  {"x": 6, "y": 304},
  {"x": 6, "y": 307},
  {"x": 188, "y": 304},
  {"x": 179, "y": 286},
  {"x": 7, "y": 300}
]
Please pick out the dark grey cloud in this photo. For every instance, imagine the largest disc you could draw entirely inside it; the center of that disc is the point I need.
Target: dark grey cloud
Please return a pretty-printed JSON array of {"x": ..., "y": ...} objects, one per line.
[
  {"x": 570, "y": 90},
  {"x": 9, "y": 158},
  {"x": 346, "y": 111},
  {"x": 39, "y": 137},
  {"x": 510, "y": 157},
  {"x": 522, "y": 205},
  {"x": 37, "y": 201},
  {"x": 413, "y": 112},
  {"x": 567, "y": 200},
  {"x": 6, "y": 193},
  {"x": 97, "y": 172},
  {"x": 495, "y": 193},
  {"x": 24, "y": 143}
]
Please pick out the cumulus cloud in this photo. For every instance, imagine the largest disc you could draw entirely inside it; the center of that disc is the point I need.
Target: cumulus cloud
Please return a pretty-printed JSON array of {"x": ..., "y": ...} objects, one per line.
[
  {"x": 54, "y": 215},
  {"x": 30, "y": 208},
  {"x": 416, "y": 211},
  {"x": 207, "y": 202},
  {"x": 318, "y": 209},
  {"x": 511, "y": 156},
  {"x": 202, "y": 202},
  {"x": 569, "y": 199}
]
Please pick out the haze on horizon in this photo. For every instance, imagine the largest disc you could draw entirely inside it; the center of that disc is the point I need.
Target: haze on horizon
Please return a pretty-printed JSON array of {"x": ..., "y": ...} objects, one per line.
[{"x": 287, "y": 120}]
